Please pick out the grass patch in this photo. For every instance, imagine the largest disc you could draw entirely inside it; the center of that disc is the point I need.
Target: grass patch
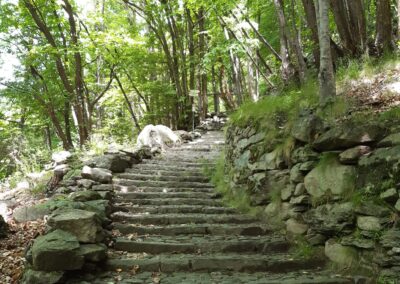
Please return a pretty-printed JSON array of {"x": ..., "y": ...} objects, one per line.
[{"x": 302, "y": 249}]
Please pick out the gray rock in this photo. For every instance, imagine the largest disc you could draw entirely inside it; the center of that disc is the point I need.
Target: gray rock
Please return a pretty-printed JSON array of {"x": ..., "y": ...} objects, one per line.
[
  {"x": 369, "y": 223},
  {"x": 83, "y": 196},
  {"x": 61, "y": 157},
  {"x": 41, "y": 277},
  {"x": 304, "y": 154},
  {"x": 390, "y": 238},
  {"x": 245, "y": 143},
  {"x": 286, "y": 193},
  {"x": 300, "y": 189},
  {"x": 357, "y": 242},
  {"x": 103, "y": 187},
  {"x": 85, "y": 225},
  {"x": 344, "y": 256},
  {"x": 307, "y": 166},
  {"x": 85, "y": 183},
  {"x": 30, "y": 213},
  {"x": 56, "y": 251},
  {"x": 107, "y": 195},
  {"x": 242, "y": 162},
  {"x": 352, "y": 155},
  {"x": 330, "y": 178},
  {"x": 348, "y": 135},
  {"x": 301, "y": 200},
  {"x": 97, "y": 174},
  {"x": 296, "y": 175},
  {"x": 315, "y": 239},
  {"x": 397, "y": 205},
  {"x": 61, "y": 170},
  {"x": 391, "y": 140},
  {"x": 296, "y": 227},
  {"x": 331, "y": 219},
  {"x": 307, "y": 127},
  {"x": 369, "y": 208},
  {"x": 379, "y": 166},
  {"x": 390, "y": 196},
  {"x": 116, "y": 163},
  {"x": 94, "y": 252},
  {"x": 184, "y": 135}
]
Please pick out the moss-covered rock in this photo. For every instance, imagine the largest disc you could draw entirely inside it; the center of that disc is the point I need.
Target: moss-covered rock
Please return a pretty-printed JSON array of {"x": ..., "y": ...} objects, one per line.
[
  {"x": 330, "y": 177},
  {"x": 344, "y": 256},
  {"x": 56, "y": 251}
]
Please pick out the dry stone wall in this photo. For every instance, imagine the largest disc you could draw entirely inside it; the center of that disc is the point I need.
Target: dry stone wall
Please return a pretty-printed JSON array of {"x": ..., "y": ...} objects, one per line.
[{"x": 335, "y": 186}]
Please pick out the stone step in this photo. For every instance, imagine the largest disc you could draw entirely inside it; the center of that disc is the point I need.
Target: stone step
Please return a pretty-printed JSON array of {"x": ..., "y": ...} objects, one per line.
[
  {"x": 168, "y": 167},
  {"x": 169, "y": 219},
  {"x": 157, "y": 195},
  {"x": 188, "y": 229},
  {"x": 178, "y": 163},
  {"x": 274, "y": 263},
  {"x": 197, "y": 173},
  {"x": 132, "y": 188},
  {"x": 162, "y": 184},
  {"x": 226, "y": 277},
  {"x": 172, "y": 201},
  {"x": 138, "y": 176},
  {"x": 200, "y": 244},
  {"x": 172, "y": 209}
]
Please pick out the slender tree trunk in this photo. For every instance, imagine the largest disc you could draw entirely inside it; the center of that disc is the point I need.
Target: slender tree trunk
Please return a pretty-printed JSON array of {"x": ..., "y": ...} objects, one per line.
[
  {"x": 311, "y": 19},
  {"x": 215, "y": 91},
  {"x": 296, "y": 40},
  {"x": 286, "y": 68},
  {"x": 47, "y": 137},
  {"x": 398, "y": 19},
  {"x": 326, "y": 74},
  {"x": 383, "y": 40},
  {"x": 128, "y": 103},
  {"x": 203, "y": 74},
  {"x": 67, "y": 122}
]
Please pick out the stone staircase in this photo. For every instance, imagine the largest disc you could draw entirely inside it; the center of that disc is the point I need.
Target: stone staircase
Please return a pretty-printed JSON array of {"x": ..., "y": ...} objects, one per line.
[{"x": 174, "y": 228}]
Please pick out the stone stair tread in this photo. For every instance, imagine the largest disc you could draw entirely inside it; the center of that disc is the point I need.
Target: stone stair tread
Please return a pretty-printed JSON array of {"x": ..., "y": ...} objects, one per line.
[
  {"x": 172, "y": 201},
  {"x": 153, "y": 177},
  {"x": 165, "y": 209},
  {"x": 251, "y": 229},
  {"x": 163, "y": 172},
  {"x": 168, "y": 219},
  {"x": 202, "y": 244},
  {"x": 149, "y": 195},
  {"x": 274, "y": 263},
  {"x": 151, "y": 183},
  {"x": 296, "y": 277},
  {"x": 132, "y": 188}
]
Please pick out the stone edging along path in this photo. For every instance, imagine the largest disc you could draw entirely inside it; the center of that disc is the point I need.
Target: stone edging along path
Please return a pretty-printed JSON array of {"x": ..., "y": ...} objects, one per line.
[{"x": 169, "y": 226}]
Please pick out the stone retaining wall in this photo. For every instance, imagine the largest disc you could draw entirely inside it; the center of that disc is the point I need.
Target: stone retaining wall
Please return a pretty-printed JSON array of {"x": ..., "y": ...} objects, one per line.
[{"x": 335, "y": 186}]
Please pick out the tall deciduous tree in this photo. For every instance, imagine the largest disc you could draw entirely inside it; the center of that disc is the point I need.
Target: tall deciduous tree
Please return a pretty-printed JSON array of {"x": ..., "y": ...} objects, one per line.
[
  {"x": 383, "y": 40},
  {"x": 326, "y": 74}
]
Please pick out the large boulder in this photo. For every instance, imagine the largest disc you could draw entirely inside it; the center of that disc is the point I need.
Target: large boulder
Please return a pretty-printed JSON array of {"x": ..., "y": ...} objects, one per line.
[
  {"x": 56, "y": 251},
  {"x": 352, "y": 155},
  {"x": 296, "y": 227},
  {"x": 347, "y": 135},
  {"x": 116, "y": 163},
  {"x": 369, "y": 223},
  {"x": 97, "y": 174},
  {"x": 85, "y": 225},
  {"x": 330, "y": 177}
]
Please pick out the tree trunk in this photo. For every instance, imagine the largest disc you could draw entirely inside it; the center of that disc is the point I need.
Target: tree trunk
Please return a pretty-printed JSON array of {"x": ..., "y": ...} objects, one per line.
[
  {"x": 311, "y": 19},
  {"x": 215, "y": 91},
  {"x": 128, "y": 103},
  {"x": 203, "y": 74},
  {"x": 383, "y": 40},
  {"x": 286, "y": 68},
  {"x": 326, "y": 75}
]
